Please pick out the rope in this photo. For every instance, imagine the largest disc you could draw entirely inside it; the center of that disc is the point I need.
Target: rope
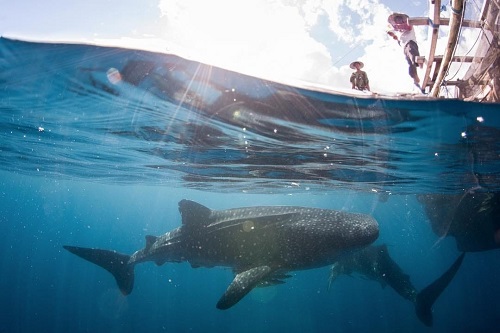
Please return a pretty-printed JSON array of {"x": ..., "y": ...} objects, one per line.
[{"x": 346, "y": 54}]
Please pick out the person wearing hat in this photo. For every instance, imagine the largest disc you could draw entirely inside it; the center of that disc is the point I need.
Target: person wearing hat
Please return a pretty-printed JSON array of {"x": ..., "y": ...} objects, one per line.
[
  {"x": 402, "y": 32},
  {"x": 359, "y": 79}
]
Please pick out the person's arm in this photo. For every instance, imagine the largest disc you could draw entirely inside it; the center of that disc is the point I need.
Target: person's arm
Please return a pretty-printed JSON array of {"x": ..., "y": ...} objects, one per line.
[
  {"x": 352, "y": 81},
  {"x": 367, "y": 82},
  {"x": 394, "y": 36}
]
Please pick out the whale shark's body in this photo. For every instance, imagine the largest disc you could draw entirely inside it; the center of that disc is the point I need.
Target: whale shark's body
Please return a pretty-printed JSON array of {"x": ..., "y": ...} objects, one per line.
[
  {"x": 260, "y": 244},
  {"x": 374, "y": 263}
]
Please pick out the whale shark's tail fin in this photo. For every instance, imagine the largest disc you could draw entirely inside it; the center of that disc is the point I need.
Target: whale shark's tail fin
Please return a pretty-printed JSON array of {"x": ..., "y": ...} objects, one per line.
[
  {"x": 427, "y": 297},
  {"x": 112, "y": 261}
]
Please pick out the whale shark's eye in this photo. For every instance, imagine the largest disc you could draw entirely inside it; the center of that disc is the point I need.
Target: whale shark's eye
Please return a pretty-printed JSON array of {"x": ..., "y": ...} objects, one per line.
[{"x": 248, "y": 226}]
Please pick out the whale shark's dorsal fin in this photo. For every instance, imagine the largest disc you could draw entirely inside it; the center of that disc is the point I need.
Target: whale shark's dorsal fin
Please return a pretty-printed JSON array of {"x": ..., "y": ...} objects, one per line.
[
  {"x": 242, "y": 284},
  {"x": 194, "y": 213},
  {"x": 150, "y": 241}
]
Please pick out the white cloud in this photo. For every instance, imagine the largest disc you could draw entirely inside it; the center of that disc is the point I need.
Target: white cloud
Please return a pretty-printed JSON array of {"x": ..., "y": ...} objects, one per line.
[
  {"x": 273, "y": 39},
  {"x": 265, "y": 38}
]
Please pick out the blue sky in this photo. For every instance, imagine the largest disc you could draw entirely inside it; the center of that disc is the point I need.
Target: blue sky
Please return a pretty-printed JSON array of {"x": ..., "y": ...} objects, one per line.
[{"x": 306, "y": 40}]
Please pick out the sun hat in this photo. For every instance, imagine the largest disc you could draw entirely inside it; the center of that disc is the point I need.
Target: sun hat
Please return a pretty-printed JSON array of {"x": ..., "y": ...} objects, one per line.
[
  {"x": 361, "y": 65},
  {"x": 392, "y": 18}
]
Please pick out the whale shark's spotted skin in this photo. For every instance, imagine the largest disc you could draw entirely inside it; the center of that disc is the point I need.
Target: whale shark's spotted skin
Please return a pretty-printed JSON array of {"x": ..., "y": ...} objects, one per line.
[{"x": 260, "y": 244}]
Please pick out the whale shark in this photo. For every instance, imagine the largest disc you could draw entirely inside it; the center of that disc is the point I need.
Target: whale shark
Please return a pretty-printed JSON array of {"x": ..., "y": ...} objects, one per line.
[
  {"x": 261, "y": 244},
  {"x": 374, "y": 263}
]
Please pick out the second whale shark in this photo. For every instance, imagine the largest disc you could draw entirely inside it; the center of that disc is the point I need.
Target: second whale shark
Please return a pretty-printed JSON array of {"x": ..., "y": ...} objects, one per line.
[
  {"x": 374, "y": 263},
  {"x": 261, "y": 244}
]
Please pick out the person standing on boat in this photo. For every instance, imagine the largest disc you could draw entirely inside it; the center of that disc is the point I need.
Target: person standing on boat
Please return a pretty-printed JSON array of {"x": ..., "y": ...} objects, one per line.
[
  {"x": 402, "y": 32},
  {"x": 359, "y": 79}
]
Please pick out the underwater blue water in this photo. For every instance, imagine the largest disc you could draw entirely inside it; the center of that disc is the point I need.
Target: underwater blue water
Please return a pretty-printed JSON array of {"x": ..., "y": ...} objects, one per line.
[{"x": 98, "y": 146}]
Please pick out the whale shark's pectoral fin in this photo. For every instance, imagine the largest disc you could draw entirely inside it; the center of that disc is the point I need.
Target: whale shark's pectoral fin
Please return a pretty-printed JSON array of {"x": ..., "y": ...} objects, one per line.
[{"x": 242, "y": 284}]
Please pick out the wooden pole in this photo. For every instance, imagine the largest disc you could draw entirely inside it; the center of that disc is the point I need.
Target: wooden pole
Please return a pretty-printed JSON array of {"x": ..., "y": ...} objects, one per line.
[
  {"x": 434, "y": 12},
  {"x": 455, "y": 22}
]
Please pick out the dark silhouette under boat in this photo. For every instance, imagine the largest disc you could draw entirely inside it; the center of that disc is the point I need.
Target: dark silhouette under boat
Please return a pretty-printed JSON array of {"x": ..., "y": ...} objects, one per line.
[{"x": 472, "y": 218}]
